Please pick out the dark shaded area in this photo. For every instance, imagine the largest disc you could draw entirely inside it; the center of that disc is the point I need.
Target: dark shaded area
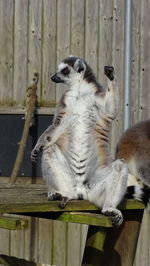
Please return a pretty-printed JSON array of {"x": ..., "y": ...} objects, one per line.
[
  {"x": 121, "y": 242},
  {"x": 11, "y": 127},
  {"x": 13, "y": 261}
]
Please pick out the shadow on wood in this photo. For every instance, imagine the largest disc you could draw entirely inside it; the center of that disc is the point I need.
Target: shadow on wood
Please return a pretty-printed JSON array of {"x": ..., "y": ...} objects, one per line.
[{"x": 120, "y": 245}]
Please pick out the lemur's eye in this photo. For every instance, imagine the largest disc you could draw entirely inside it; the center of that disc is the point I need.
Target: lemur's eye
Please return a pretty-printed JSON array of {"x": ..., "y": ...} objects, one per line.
[{"x": 65, "y": 71}]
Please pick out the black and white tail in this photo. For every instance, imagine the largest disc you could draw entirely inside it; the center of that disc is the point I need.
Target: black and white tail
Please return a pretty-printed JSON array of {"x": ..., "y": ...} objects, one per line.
[{"x": 138, "y": 193}]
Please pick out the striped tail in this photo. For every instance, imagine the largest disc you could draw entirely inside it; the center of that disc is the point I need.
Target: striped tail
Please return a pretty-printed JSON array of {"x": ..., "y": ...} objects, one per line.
[{"x": 138, "y": 193}]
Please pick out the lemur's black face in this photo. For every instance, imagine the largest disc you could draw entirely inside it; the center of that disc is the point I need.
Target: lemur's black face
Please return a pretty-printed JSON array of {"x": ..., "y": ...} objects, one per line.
[{"x": 70, "y": 69}]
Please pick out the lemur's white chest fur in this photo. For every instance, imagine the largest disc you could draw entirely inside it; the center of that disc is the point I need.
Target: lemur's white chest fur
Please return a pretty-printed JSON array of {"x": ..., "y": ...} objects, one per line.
[{"x": 82, "y": 113}]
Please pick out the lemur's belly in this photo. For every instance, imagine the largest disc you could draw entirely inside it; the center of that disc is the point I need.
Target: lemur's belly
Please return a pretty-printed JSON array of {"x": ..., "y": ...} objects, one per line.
[{"x": 81, "y": 145}]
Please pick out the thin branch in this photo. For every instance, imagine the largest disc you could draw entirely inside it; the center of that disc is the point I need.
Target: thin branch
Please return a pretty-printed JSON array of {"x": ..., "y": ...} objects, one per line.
[{"x": 30, "y": 102}]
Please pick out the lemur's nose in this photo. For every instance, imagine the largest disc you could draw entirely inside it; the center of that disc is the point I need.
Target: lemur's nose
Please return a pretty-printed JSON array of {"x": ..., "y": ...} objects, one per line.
[
  {"x": 53, "y": 78},
  {"x": 56, "y": 79}
]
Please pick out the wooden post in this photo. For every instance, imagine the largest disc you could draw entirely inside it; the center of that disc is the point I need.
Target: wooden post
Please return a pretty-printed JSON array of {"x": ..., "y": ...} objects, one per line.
[
  {"x": 94, "y": 246},
  {"x": 120, "y": 245}
]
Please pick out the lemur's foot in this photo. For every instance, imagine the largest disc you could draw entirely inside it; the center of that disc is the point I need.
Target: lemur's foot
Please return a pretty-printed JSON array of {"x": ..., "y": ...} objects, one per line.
[
  {"x": 109, "y": 72},
  {"x": 58, "y": 196},
  {"x": 115, "y": 215}
]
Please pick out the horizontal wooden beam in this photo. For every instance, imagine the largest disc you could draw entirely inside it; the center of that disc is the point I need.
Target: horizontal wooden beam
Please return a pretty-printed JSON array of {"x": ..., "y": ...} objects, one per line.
[
  {"x": 41, "y": 110},
  {"x": 54, "y": 206},
  {"x": 95, "y": 219},
  {"x": 13, "y": 223},
  {"x": 19, "y": 198}
]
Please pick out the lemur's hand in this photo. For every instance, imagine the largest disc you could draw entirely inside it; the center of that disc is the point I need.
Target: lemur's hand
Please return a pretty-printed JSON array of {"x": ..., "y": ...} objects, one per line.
[
  {"x": 109, "y": 72},
  {"x": 34, "y": 154}
]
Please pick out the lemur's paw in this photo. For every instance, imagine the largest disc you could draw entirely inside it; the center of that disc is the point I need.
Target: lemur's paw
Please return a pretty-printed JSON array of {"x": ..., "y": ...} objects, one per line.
[
  {"x": 34, "y": 155},
  {"x": 109, "y": 72},
  {"x": 63, "y": 202},
  {"x": 58, "y": 196},
  {"x": 54, "y": 196},
  {"x": 115, "y": 215}
]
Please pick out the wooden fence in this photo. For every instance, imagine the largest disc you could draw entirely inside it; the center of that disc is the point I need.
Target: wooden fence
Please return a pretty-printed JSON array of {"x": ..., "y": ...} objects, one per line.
[{"x": 34, "y": 36}]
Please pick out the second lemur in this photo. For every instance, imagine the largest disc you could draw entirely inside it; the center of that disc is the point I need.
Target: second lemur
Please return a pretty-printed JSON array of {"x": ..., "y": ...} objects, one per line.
[{"x": 76, "y": 161}]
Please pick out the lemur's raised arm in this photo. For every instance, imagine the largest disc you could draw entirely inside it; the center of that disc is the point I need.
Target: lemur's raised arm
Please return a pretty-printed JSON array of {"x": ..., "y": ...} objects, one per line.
[{"x": 109, "y": 99}]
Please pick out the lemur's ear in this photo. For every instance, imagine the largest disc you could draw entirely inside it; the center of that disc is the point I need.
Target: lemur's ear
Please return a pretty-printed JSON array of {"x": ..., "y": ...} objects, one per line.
[{"x": 79, "y": 65}]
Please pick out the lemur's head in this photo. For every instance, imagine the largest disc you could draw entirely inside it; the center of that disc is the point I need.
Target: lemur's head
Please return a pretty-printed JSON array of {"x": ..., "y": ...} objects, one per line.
[{"x": 72, "y": 69}]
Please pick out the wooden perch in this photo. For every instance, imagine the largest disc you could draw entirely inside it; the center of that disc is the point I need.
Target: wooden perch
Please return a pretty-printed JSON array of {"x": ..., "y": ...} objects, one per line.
[{"x": 30, "y": 107}]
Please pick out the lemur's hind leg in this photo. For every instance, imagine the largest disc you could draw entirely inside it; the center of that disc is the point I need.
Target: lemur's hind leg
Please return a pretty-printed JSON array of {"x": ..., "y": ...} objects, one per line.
[
  {"x": 109, "y": 189},
  {"x": 117, "y": 185},
  {"x": 58, "y": 176}
]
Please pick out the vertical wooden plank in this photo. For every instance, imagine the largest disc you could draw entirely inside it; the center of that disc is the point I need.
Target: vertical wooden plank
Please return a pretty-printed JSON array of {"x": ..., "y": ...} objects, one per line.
[
  {"x": 83, "y": 233},
  {"x": 143, "y": 249},
  {"x": 35, "y": 42},
  {"x": 17, "y": 243},
  {"x": 59, "y": 243},
  {"x": 45, "y": 241},
  {"x": 117, "y": 62},
  {"x": 34, "y": 238},
  {"x": 4, "y": 241},
  {"x": 91, "y": 33},
  {"x": 6, "y": 52},
  {"x": 63, "y": 37},
  {"x": 73, "y": 244},
  {"x": 77, "y": 27},
  {"x": 105, "y": 37},
  {"x": 27, "y": 240},
  {"x": 135, "y": 82},
  {"x": 145, "y": 62},
  {"x": 20, "y": 52},
  {"x": 48, "y": 52}
]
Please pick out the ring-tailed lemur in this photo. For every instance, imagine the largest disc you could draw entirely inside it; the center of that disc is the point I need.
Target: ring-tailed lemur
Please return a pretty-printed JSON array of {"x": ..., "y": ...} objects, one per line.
[
  {"x": 76, "y": 162},
  {"x": 134, "y": 148}
]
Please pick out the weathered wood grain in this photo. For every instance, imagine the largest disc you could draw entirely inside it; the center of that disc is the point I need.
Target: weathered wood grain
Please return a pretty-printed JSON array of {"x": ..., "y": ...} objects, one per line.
[
  {"x": 91, "y": 33},
  {"x": 33, "y": 198},
  {"x": 4, "y": 243},
  {"x": 12, "y": 223},
  {"x": 49, "y": 46},
  {"x": 142, "y": 253},
  {"x": 59, "y": 243},
  {"x": 6, "y": 52},
  {"x": 45, "y": 241},
  {"x": 77, "y": 28},
  {"x": 117, "y": 62},
  {"x": 84, "y": 230},
  {"x": 20, "y": 52},
  {"x": 135, "y": 78},
  {"x": 63, "y": 37},
  {"x": 105, "y": 37},
  {"x": 144, "y": 94},
  {"x": 82, "y": 218},
  {"x": 17, "y": 243},
  {"x": 35, "y": 42},
  {"x": 73, "y": 244}
]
